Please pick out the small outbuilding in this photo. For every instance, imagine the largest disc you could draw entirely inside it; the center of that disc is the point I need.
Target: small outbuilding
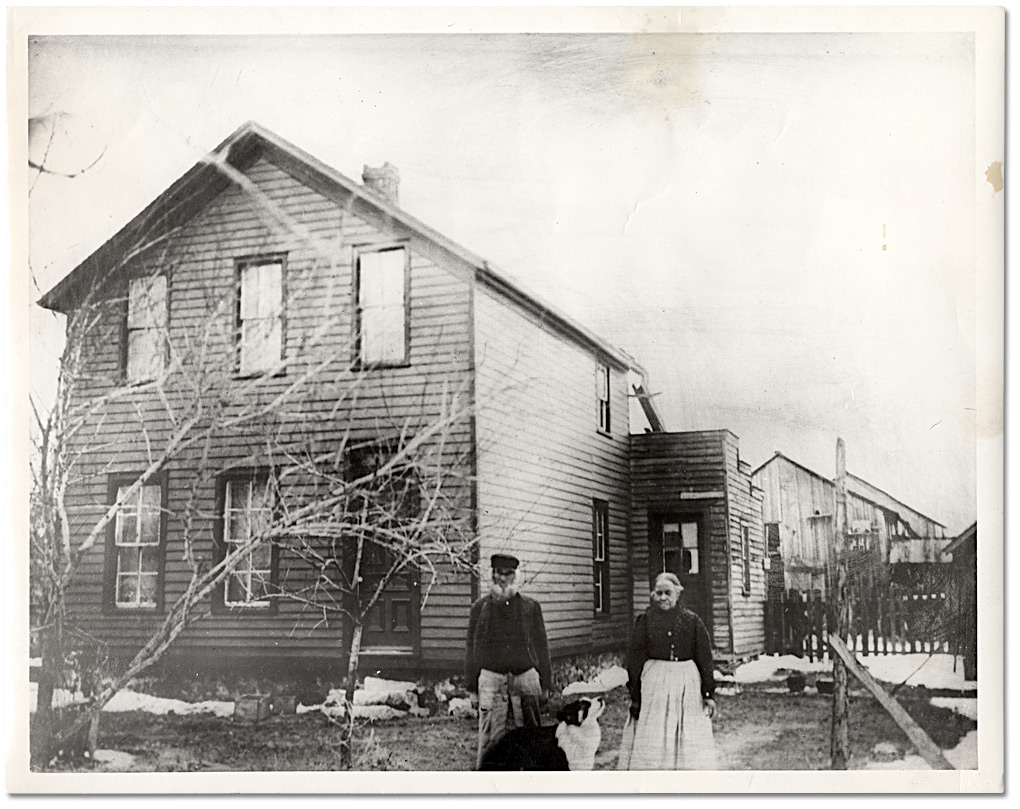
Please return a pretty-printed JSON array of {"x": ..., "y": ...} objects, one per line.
[{"x": 696, "y": 513}]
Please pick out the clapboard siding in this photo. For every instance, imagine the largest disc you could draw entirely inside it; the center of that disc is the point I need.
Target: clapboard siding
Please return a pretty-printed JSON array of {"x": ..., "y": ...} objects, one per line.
[
  {"x": 316, "y": 235},
  {"x": 745, "y": 507},
  {"x": 700, "y": 473},
  {"x": 541, "y": 461}
]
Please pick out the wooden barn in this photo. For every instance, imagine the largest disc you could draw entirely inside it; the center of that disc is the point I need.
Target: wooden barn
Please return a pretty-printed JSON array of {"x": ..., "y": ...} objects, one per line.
[
  {"x": 260, "y": 248},
  {"x": 898, "y": 580},
  {"x": 798, "y": 506}
]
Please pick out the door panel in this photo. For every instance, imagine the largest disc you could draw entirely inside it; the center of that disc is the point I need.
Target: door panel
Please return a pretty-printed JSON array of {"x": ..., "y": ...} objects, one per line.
[{"x": 392, "y": 623}]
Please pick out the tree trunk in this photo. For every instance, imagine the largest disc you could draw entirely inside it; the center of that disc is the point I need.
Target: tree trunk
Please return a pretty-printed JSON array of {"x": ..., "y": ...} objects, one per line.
[
  {"x": 347, "y": 729},
  {"x": 43, "y": 732},
  {"x": 93, "y": 737}
]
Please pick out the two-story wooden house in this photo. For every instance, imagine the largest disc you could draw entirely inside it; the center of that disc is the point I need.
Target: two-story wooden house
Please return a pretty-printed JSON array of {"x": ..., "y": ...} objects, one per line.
[{"x": 266, "y": 257}]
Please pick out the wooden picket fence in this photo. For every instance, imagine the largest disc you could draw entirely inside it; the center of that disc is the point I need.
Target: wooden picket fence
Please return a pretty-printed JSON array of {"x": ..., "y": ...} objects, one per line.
[{"x": 889, "y": 619}]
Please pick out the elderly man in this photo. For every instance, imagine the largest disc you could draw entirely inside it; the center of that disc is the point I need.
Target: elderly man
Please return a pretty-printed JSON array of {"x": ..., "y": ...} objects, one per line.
[{"x": 507, "y": 660}]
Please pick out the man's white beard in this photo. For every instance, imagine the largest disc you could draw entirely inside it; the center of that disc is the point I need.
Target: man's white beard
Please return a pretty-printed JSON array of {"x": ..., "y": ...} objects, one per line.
[{"x": 502, "y": 593}]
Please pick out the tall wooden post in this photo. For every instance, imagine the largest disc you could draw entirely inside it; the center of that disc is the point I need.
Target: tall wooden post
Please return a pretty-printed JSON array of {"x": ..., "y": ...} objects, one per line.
[{"x": 840, "y": 743}]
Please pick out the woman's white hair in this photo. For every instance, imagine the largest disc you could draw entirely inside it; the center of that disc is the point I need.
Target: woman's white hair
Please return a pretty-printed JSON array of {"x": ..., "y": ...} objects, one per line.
[{"x": 670, "y": 577}]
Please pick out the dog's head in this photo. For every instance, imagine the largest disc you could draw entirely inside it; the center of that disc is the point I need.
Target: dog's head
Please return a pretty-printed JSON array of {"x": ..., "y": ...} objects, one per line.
[{"x": 582, "y": 711}]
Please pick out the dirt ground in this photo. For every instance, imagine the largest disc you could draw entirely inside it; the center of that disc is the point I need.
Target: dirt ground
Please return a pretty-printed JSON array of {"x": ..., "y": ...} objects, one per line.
[{"x": 756, "y": 729}]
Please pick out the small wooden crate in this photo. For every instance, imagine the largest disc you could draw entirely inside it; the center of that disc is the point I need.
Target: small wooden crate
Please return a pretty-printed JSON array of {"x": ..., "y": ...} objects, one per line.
[
  {"x": 252, "y": 708},
  {"x": 283, "y": 705}
]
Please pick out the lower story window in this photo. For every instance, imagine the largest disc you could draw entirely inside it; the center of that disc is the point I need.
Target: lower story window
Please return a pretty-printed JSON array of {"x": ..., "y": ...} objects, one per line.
[
  {"x": 137, "y": 542},
  {"x": 248, "y": 510},
  {"x": 600, "y": 554}
]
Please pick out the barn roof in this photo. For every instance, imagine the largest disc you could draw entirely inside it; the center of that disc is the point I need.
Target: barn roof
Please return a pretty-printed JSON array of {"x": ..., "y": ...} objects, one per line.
[
  {"x": 855, "y": 485},
  {"x": 185, "y": 198}
]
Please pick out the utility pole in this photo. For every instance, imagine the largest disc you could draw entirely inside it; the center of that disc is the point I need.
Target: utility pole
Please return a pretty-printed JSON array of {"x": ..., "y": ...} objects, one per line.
[{"x": 840, "y": 744}]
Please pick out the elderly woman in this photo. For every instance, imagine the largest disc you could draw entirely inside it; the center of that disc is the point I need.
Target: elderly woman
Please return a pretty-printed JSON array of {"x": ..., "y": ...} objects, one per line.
[{"x": 671, "y": 686}]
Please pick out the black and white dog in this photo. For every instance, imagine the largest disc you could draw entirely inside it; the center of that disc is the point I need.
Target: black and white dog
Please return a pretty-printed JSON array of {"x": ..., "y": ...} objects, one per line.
[{"x": 569, "y": 745}]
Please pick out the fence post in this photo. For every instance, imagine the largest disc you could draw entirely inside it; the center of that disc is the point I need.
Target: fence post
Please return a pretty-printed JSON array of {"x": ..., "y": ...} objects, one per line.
[{"x": 839, "y": 743}]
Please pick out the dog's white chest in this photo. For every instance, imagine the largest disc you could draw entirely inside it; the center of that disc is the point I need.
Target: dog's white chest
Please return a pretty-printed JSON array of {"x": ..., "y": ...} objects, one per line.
[{"x": 579, "y": 744}]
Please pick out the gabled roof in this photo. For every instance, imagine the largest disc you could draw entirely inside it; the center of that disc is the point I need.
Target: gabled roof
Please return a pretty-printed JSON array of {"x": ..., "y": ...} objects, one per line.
[
  {"x": 855, "y": 486},
  {"x": 205, "y": 180}
]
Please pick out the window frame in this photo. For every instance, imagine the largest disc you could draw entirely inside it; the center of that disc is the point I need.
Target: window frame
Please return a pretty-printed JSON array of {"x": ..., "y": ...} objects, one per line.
[
  {"x": 125, "y": 330},
  {"x": 603, "y": 407},
  {"x": 240, "y": 265},
  {"x": 745, "y": 557},
  {"x": 112, "y": 554},
  {"x": 364, "y": 249},
  {"x": 269, "y": 605},
  {"x": 601, "y": 585}
]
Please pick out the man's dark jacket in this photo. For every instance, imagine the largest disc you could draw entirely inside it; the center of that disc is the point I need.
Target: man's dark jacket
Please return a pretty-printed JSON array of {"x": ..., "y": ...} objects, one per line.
[{"x": 489, "y": 648}]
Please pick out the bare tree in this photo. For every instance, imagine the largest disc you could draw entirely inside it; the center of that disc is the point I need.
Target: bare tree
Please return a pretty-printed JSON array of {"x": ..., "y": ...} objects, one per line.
[{"x": 352, "y": 524}]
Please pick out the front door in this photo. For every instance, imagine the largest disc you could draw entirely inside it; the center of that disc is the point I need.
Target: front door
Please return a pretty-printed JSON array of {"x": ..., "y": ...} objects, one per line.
[
  {"x": 678, "y": 545},
  {"x": 391, "y": 623}
]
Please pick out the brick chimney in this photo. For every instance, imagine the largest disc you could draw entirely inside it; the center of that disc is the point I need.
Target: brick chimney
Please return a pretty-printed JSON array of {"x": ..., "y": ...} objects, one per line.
[{"x": 383, "y": 181}]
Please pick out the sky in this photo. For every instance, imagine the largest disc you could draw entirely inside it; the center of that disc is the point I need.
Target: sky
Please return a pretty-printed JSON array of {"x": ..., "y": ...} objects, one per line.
[{"x": 780, "y": 228}]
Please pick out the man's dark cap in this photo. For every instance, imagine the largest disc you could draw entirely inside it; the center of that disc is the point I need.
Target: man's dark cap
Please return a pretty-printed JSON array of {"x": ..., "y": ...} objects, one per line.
[{"x": 504, "y": 561}]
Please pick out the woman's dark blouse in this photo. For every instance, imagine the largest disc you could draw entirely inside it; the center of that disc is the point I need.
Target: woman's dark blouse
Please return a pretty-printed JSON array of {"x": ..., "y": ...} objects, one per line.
[{"x": 676, "y": 634}]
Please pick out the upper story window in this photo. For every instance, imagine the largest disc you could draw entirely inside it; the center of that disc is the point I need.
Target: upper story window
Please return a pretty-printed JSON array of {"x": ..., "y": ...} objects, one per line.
[
  {"x": 137, "y": 547},
  {"x": 602, "y": 391},
  {"x": 146, "y": 328},
  {"x": 247, "y": 511},
  {"x": 383, "y": 310},
  {"x": 600, "y": 554},
  {"x": 260, "y": 315}
]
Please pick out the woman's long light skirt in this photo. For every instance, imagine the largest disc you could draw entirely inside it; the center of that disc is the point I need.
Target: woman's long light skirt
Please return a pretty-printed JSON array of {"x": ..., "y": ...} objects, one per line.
[{"x": 672, "y": 732}]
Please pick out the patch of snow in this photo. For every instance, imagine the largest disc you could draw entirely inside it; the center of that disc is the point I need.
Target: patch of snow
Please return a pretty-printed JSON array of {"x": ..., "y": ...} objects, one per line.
[
  {"x": 605, "y": 681},
  {"x": 127, "y": 700},
  {"x": 962, "y": 757},
  {"x": 931, "y": 671},
  {"x": 375, "y": 713},
  {"x": 114, "y": 760},
  {"x": 886, "y": 751},
  {"x": 965, "y": 755},
  {"x": 373, "y": 684},
  {"x": 910, "y": 762},
  {"x": 776, "y": 667},
  {"x": 333, "y": 706},
  {"x": 34, "y": 661},
  {"x": 61, "y": 698},
  {"x": 965, "y": 706},
  {"x": 392, "y": 697},
  {"x": 462, "y": 708}
]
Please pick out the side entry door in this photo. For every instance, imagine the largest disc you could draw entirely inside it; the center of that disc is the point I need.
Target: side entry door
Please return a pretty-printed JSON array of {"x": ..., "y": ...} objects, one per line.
[{"x": 679, "y": 546}]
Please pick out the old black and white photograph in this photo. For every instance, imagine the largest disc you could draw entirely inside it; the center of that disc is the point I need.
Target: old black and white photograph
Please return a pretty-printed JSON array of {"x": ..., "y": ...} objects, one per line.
[{"x": 497, "y": 392}]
